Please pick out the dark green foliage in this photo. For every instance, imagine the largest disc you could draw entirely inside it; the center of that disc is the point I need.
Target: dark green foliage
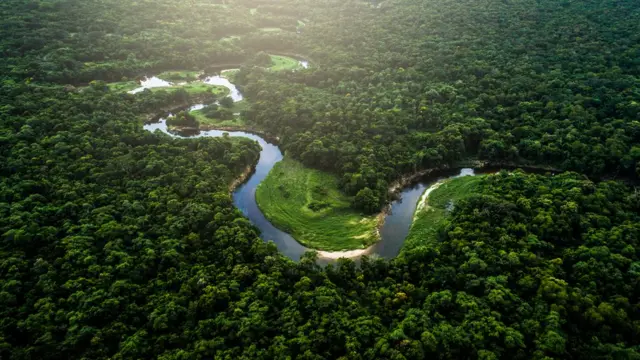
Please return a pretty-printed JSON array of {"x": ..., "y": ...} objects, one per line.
[
  {"x": 366, "y": 200},
  {"x": 211, "y": 111},
  {"x": 422, "y": 84},
  {"x": 261, "y": 59},
  {"x": 116, "y": 243},
  {"x": 183, "y": 119},
  {"x": 226, "y": 102},
  {"x": 214, "y": 111},
  {"x": 545, "y": 258}
]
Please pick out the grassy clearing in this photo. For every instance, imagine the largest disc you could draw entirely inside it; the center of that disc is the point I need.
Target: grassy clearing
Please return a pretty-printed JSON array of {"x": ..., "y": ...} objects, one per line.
[
  {"x": 253, "y": 11},
  {"x": 230, "y": 74},
  {"x": 123, "y": 86},
  {"x": 279, "y": 63},
  {"x": 237, "y": 121},
  {"x": 429, "y": 219},
  {"x": 230, "y": 38},
  {"x": 192, "y": 88},
  {"x": 198, "y": 87},
  {"x": 270, "y": 29},
  {"x": 177, "y": 76},
  {"x": 203, "y": 120},
  {"x": 307, "y": 204}
]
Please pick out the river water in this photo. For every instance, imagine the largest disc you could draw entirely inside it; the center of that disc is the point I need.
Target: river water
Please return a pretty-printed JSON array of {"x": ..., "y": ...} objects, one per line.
[{"x": 397, "y": 222}]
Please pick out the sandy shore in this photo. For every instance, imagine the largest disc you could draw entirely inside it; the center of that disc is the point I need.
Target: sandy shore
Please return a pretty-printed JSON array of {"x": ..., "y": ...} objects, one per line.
[
  {"x": 334, "y": 255},
  {"x": 422, "y": 203}
]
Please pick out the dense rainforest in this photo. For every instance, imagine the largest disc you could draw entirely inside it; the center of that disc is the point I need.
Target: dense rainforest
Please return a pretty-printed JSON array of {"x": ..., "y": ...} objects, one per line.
[{"x": 125, "y": 244}]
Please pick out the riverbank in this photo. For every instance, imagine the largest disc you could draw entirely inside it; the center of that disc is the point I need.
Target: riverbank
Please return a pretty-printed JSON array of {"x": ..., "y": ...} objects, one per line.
[
  {"x": 335, "y": 255},
  {"x": 173, "y": 108},
  {"x": 242, "y": 178},
  {"x": 434, "y": 206}
]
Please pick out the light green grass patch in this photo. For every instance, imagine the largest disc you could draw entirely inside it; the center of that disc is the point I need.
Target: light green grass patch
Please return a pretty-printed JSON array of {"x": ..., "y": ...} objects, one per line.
[
  {"x": 198, "y": 87},
  {"x": 230, "y": 38},
  {"x": 431, "y": 217},
  {"x": 270, "y": 29},
  {"x": 195, "y": 87},
  {"x": 279, "y": 63},
  {"x": 178, "y": 75},
  {"x": 240, "y": 106},
  {"x": 223, "y": 6},
  {"x": 237, "y": 121},
  {"x": 123, "y": 86},
  {"x": 307, "y": 204},
  {"x": 230, "y": 74},
  {"x": 203, "y": 120},
  {"x": 115, "y": 64},
  {"x": 253, "y": 11}
]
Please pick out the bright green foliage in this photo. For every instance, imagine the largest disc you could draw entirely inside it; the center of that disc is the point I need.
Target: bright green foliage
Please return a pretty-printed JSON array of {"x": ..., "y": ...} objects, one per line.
[
  {"x": 116, "y": 243},
  {"x": 183, "y": 118},
  {"x": 308, "y": 204},
  {"x": 123, "y": 86},
  {"x": 430, "y": 216},
  {"x": 279, "y": 63},
  {"x": 199, "y": 88},
  {"x": 214, "y": 115}
]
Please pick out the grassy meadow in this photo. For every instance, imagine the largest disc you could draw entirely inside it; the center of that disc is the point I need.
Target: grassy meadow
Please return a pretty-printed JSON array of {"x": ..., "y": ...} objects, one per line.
[
  {"x": 193, "y": 88},
  {"x": 179, "y": 75},
  {"x": 123, "y": 86},
  {"x": 237, "y": 121},
  {"x": 432, "y": 214},
  {"x": 279, "y": 63},
  {"x": 307, "y": 204}
]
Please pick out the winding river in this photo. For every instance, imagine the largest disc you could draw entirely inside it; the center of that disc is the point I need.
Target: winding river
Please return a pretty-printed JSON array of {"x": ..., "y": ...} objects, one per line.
[{"x": 397, "y": 222}]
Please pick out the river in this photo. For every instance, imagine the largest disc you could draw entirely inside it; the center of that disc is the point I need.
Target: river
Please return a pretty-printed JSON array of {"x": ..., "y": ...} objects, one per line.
[{"x": 397, "y": 222}]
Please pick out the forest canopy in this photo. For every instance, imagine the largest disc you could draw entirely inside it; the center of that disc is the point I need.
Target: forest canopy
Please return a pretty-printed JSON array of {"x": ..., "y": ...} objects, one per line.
[{"x": 119, "y": 243}]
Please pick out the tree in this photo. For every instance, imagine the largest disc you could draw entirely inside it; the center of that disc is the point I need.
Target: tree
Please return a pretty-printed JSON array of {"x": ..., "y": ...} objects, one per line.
[
  {"x": 366, "y": 200},
  {"x": 226, "y": 102}
]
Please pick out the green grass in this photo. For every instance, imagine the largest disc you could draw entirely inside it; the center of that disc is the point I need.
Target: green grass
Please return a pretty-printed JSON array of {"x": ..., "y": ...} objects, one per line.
[
  {"x": 193, "y": 88},
  {"x": 180, "y": 75},
  {"x": 200, "y": 87},
  {"x": 123, "y": 86},
  {"x": 279, "y": 63},
  {"x": 290, "y": 192},
  {"x": 230, "y": 38},
  {"x": 230, "y": 74},
  {"x": 237, "y": 121},
  {"x": 203, "y": 120},
  {"x": 431, "y": 217},
  {"x": 270, "y": 29},
  {"x": 253, "y": 11}
]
